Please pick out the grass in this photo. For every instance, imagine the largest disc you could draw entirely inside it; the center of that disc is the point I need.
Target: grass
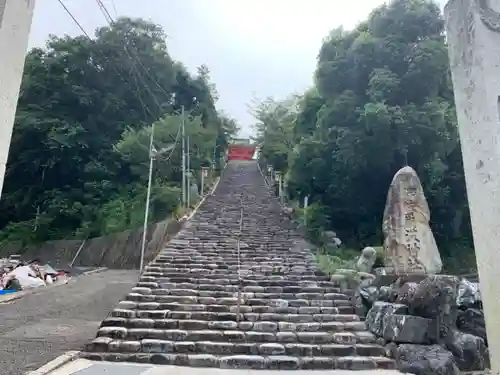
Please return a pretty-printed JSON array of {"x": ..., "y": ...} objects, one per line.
[{"x": 329, "y": 264}]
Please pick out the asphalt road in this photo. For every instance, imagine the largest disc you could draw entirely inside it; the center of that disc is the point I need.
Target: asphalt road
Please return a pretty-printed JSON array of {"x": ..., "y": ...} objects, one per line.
[{"x": 38, "y": 328}]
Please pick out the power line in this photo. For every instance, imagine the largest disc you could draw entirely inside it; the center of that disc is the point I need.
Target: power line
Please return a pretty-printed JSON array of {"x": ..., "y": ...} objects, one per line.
[
  {"x": 176, "y": 141},
  {"x": 145, "y": 108},
  {"x": 114, "y": 7},
  {"x": 105, "y": 11},
  {"x": 111, "y": 21},
  {"x": 135, "y": 60},
  {"x": 74, "y": 19}
]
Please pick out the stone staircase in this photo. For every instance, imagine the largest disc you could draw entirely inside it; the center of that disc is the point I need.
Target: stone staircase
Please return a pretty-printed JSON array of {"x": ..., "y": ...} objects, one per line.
[{"x": 184, "y": 309}]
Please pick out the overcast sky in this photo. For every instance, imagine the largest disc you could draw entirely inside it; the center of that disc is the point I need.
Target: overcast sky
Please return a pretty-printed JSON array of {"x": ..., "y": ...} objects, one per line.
[{"x": 253, "y": 48}]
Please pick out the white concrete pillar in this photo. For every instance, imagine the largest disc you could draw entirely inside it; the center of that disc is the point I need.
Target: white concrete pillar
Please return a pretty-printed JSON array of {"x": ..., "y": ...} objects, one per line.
[
  {"x": 15, "y": 23},
  {"x": 473, "y": 34}
]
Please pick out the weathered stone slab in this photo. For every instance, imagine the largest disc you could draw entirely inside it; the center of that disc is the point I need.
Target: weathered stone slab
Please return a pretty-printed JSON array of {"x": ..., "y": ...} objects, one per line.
[
  {"x": 436, "y": 298},
  {"x": 375, "y": 317},
  {"x": 425, "y": 360},
  {"x": 409, "y": 329},
  {"x": 470, "y": 352}
]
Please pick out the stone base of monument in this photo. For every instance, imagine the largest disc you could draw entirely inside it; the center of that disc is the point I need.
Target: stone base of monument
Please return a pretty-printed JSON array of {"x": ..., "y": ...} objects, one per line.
[
  {"x": 415, "y": 317},
  {"x": 389, "y": 279}
]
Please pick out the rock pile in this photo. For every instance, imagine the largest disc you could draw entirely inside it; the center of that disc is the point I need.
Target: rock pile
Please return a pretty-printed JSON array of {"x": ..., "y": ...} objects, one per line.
[
  {"x": 422, "y": 324},
  {"x": 236, "y": 288}
]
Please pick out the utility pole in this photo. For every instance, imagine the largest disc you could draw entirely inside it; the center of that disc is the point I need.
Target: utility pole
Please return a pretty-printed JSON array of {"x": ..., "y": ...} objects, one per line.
[
  {"x": 153, "y": 154},
  {"x": 183, "y": 159},
  {"x": 148, "y": 197},
  {"x": 213, "y": 156}
]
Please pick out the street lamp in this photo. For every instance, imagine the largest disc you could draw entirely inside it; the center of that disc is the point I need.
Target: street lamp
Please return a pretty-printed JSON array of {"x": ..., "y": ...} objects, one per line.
[{"x": 153, "y": 153}]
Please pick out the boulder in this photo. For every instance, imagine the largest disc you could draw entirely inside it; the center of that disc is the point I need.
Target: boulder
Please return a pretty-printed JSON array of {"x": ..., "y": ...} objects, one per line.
[
  {"x": 375, "y": 317},
  {"x": 470, "y": 352},
  {"x": 387, "y": 293},
  {"x": 409, "y": 329},
  {"x": 406, "y": 292},
  {"x": 425, "y": 360},
  {"x": 368, "y": 294},
  {"x": 435, "y": 298},
  {"x": 469, "y": 294},
  {"x": 409, "y": 245},
  {"x": 471, "y": 320}
]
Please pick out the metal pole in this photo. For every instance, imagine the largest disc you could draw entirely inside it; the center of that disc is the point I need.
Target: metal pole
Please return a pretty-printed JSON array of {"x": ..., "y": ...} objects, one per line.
[
  {"x": 77, "y": 253},
  {"x": 183, "y": 159},
  {"x": 306, "y": 204},
  {"x": 188, "y": 173},
  {"x": 148, "y": 197},
  {"x": 280, "y": 188},
  {"x": 202, "y": 181}
]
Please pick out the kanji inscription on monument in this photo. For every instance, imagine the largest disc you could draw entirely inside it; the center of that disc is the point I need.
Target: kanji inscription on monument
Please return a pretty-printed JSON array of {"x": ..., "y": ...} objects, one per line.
[{"x": 409, "y": 245}]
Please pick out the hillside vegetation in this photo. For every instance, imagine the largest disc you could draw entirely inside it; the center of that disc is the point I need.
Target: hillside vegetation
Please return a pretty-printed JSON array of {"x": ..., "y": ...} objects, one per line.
[
  {"x": 382, "y": 99},
  {"x": 78, "y": 160}
]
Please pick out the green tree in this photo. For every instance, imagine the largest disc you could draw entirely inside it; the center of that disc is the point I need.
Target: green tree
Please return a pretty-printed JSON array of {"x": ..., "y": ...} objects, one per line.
[
  {"x": 274, "y": 129},
  {"x": 80, "y": 102},
  {"x": 382, "y": 99}
]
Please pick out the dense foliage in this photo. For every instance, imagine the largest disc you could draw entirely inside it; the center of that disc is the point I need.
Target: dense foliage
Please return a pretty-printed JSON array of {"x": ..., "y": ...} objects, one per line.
[
  {"x": 382, "y": 99},
  {"x": 79, "y": 155}
]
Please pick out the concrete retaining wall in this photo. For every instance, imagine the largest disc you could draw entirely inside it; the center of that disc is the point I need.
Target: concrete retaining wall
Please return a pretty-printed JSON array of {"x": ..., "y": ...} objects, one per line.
[{"x": 116, "y": 251}]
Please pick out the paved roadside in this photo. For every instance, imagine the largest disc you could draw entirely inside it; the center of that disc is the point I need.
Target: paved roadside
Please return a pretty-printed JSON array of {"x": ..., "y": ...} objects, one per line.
[
  {"x": 39, "y": 327},
  {"x": 84, "y": 367}
]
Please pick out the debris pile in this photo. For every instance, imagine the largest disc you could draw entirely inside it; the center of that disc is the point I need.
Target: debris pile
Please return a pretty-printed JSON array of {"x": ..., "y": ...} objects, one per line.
[{"x": 16, "y": 275}]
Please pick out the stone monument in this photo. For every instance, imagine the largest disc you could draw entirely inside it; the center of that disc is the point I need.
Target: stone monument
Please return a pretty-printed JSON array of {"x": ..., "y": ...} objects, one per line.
[
  {"x": 409, "y": 245},
  {"x": 473, "y": 37}
]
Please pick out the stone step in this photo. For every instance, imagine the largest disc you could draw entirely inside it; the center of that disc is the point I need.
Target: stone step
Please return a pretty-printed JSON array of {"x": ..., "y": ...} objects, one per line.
[
  {"x": 247, "y": 241},
  {"x": 108, "y": 344},
  {"x": 291, "y": 292},
  {"x": 252, "y": 249},
  {"x": 143, "y": 319},
  {"x": 257, "y": 362},
  {"x": 220, "y": 249},
  {"x": 231, "y": 248},
  {"x": 318, "y": 337},
  {"x": 232, "y": 270},
  {"x": 252, "y": 297},
  {"x": 310, "y": 301},
  {"x": 233, "y": 276},
  {"x": 233, "y": 259},
  {"x": 246, "y": 245},
  {"x": 232, "y": 314},
  {"x": 179, "y": 309},
  {"x": 228, "y": 290},
  {"x": 248, "y": 248},
  {"x": 303, "y": 266},
  {"x": 263, "y": 282},
  {"x": 210, "y": 296},
  {"x": 227, "y": 303},
  {"x": 204, "y": 256}
]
